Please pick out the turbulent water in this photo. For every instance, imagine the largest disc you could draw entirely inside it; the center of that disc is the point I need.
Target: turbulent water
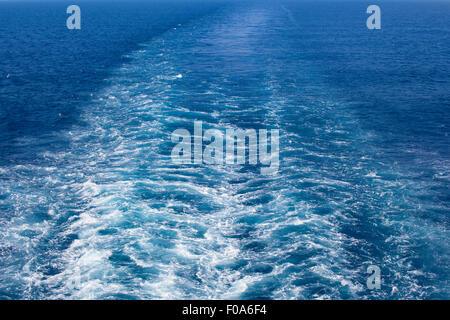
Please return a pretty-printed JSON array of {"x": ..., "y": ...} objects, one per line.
[{"x": 92, "y": 206}]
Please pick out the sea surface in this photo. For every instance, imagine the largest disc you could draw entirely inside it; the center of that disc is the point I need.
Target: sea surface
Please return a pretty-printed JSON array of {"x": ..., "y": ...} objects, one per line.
[{"x": 92, "y": 207}]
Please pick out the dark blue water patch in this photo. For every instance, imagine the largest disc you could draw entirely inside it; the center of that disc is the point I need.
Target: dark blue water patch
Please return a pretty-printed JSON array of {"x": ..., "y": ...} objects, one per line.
[
  {"x": 107, "y": 232},
  {"x": 262, "y": 290},
  {"x": 120, "y": 259},
  {"x": 235, "y": 265},
  {"x": 255, "y": 246},
  {"x": 49, "y": 72},
  {"x": 260, "y": 268},
  {"x": 397, "y": 81},
  {"x": 119, "y": 296}
]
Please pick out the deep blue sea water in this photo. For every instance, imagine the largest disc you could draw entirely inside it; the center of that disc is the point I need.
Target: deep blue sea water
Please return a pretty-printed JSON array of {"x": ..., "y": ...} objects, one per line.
[{"x": 91, "y": 206}]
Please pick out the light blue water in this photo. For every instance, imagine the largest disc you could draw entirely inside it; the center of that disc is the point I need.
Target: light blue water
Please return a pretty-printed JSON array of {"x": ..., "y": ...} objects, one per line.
[{"x": 93, "y": 208}]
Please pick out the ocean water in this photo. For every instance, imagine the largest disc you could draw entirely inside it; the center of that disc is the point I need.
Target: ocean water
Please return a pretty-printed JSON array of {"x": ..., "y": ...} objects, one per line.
[{"x": 91, "y": 206}]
